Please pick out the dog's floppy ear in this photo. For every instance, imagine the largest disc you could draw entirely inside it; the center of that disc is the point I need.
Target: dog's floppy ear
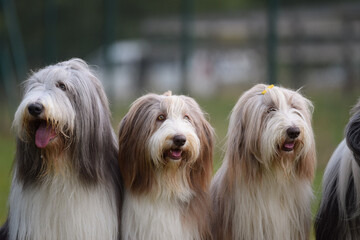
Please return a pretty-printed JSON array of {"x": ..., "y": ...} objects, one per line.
[
  {"x": 135, "y": 129},
  {"x": 205, "y": 161},
  {"x": 241, "y": 141},
  {"x": 352, "y": 133}
]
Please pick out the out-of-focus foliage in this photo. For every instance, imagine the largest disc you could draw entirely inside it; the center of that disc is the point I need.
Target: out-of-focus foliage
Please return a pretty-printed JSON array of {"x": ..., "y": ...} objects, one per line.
[{"x": 79, "y": 27}]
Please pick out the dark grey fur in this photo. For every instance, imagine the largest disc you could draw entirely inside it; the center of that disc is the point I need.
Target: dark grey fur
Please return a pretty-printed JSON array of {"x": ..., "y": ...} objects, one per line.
[{"x": 339, "y": 214}]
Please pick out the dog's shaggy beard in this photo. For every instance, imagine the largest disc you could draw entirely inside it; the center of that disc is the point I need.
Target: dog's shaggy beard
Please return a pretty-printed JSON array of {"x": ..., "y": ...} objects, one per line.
[
  {"x": 167, "y": 183},
  {"x": 58, "y": 117},
  {"x": 172, "y": 176},
  {"x": 273, "y": 139},
  {"x": 264, "y": 164}
]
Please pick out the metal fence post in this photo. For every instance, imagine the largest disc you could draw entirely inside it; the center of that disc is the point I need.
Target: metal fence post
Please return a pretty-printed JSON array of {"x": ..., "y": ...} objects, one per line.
[
  {"x": 272, "y": 41},
  {"x": 186, "y": 42}
]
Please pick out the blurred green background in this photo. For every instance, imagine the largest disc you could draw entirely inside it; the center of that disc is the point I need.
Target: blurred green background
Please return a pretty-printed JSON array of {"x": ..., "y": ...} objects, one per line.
[{"x": 211, "y": 50}]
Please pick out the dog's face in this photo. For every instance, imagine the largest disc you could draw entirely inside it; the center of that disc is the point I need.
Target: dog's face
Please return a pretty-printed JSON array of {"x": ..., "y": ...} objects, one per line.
[
  {"x": 273, "y": 129},
  {"x": 163, "y": 133},
  {"x": 173, "y": 140},
  {"x": 46, "y": 115},
  {"x": 64, "y": 114}
]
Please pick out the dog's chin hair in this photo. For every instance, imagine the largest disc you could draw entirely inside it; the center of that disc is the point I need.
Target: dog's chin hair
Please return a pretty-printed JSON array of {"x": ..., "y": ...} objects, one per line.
[
  {"x": 158, "y": 150},
  {"x": 282, "y": 164},
  {"x": 262, "y": 191},
  {"x": 55, "y": 158},
  {"x": 173, "y": 185}
]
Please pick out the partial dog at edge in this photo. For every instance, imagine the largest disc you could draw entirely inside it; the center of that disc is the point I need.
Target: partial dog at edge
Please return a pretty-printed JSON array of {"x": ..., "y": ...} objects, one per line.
[
  {"x": 263, "y": 188},
  {"x": 165, "y": 156},
  {"x": 339, "y": 212},
  {"x": 65, "y": 181}
]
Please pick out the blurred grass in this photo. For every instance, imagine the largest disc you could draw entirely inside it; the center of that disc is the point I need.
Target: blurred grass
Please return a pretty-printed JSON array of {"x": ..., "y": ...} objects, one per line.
[
  {"x": 7, "y": 152},
  {"x": 330, "y": 117}
]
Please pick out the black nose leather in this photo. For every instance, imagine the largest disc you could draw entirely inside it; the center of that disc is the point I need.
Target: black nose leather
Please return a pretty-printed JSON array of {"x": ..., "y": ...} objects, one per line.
[
  {"x": 179, "y": 140},
  {"x": 293, "y": 132},
  {"x": 35, "y": 109}
]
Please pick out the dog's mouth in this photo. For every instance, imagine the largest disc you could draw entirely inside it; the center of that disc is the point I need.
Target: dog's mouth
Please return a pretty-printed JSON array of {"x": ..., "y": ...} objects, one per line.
[
  {"x": 288, "y": 146},
  {"x": 174, "y": 154},
  {"x": 44, "y": 134}
]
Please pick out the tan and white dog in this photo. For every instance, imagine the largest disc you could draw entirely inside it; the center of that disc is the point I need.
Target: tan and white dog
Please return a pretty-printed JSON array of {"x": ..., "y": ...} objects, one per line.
[
  {"x": 263, "y": 188},
  {"x": 165, "y": 156}
]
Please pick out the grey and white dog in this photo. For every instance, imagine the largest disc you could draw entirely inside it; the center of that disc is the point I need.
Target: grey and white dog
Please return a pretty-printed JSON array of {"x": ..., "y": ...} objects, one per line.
[
  {"x": 339, "y": 212},
  {"x": 65, "y": 178}
]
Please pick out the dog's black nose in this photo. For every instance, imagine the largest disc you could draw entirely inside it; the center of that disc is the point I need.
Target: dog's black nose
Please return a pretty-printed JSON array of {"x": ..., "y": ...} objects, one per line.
[
  {"x": 35, "y": 109},
  {"x": 293, "y": 132},
  {"x": 179, "y": 140}
]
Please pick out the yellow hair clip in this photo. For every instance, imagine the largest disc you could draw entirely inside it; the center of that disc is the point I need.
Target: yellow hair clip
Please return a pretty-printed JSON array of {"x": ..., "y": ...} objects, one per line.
[{"x": 269, "y": 87}]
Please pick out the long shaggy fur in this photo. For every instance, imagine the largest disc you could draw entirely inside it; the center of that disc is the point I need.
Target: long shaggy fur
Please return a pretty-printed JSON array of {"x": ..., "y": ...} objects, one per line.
[
  {"x": 165, "y": 198},
  {"x": 261, "y": 191},
  {"x": 339, "y": 213},
  {"x": 67, "y": 188}
]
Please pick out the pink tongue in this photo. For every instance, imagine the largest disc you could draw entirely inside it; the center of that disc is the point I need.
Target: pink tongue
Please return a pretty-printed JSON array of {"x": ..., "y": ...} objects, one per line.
[
  {"x": 175, "y": 153},
  {"x": 289, "y": 145},
  {"x": 43, "y": 135}
]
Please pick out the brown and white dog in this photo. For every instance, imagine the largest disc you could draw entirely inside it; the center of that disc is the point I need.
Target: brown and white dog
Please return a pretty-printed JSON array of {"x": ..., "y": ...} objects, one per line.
[
  {"x": 263, "y": 188},
  {"x": 165, "y": 156}
]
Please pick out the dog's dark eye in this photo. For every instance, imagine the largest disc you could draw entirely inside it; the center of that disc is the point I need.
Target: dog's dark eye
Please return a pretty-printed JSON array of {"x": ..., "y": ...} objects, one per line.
[
  {"x": 187, "y": 117},
  {"x": 161, "y": 118},
  {"x": 271, "y": 109},
  {"x": 295, "y": 107},
  {"x": 61, "y": 85}
]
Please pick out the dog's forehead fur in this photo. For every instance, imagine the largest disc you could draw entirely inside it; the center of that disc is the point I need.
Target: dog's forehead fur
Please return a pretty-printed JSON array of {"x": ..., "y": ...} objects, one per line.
[
  {"x": 172, "y": 106},
  {"x": 75, "y": 74},
  {"x": 283, "y": 98},
  {"x": 279, "y": 98}
]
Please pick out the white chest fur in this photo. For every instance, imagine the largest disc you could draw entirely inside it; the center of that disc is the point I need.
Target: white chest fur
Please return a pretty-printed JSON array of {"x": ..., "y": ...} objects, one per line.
[
  {"x": 148, "y": 219},
  {"x": 271, "y": 210},
  {"x": 62, "y": 208}
]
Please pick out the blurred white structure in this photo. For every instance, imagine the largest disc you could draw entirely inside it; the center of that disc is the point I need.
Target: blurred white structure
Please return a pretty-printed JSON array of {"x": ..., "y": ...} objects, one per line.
[
  {"x": 317, "y": 46},
  {"x": 134, "y": 66}
]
